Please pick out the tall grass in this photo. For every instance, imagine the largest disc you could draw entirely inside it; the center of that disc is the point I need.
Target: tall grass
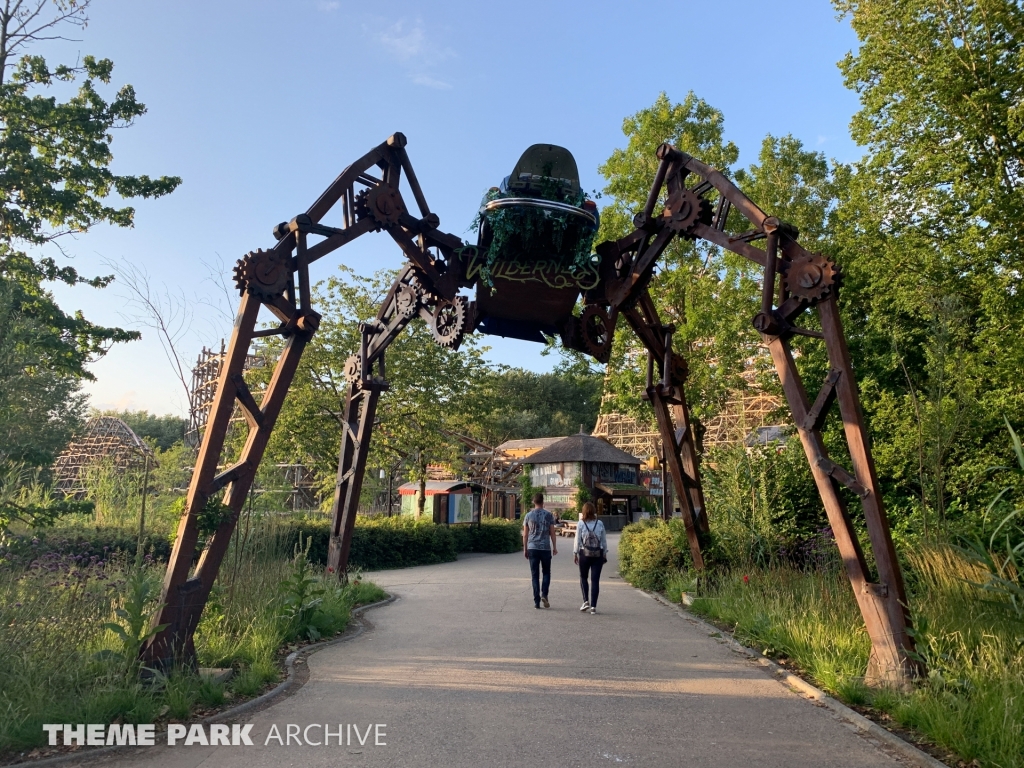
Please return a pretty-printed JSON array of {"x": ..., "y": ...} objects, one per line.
[
  {"x": 59, "y": 664},
  {"x": 972, "y": 701}
]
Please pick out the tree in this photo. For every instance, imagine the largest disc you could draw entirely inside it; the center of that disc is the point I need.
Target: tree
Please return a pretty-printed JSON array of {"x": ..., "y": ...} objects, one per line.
[
  {"x": 55, "y": 180},
  {"x": 432, "y": 387},
  {"x": 162, "y": 431},
  {"x": 517, "y": 404},
  {"x": 706, "y": 293},
  {"x": 40, "y": 408},
  {"x": 928, "y": 236}
]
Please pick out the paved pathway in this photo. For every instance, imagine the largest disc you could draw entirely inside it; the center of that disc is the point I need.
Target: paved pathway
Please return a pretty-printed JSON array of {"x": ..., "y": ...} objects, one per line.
[{"x": 466, "y": 673}]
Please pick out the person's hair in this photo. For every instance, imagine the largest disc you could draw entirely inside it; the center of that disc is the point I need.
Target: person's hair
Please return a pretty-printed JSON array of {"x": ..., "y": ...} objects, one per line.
[
  {"x": 589, "y": 511},
  {"x": 538, "y": 498}
]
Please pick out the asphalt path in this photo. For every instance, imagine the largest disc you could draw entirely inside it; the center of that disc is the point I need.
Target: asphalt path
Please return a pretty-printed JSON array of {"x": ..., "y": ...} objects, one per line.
[{"x": 463, "y": 671}]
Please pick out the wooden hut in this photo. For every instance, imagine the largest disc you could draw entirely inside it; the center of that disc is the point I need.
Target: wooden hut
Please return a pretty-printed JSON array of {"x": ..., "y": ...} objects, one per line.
[
  {"x": 610, "y": 475},
  {"x": 448, "y": 501}
]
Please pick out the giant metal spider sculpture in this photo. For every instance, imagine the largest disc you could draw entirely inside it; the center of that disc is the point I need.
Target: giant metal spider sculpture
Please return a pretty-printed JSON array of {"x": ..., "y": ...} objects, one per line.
[{"x": 528, "y": 298}]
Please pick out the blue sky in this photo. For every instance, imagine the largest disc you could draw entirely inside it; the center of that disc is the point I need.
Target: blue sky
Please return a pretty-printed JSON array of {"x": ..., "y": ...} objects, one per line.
[{"x": 259, "y": 105}]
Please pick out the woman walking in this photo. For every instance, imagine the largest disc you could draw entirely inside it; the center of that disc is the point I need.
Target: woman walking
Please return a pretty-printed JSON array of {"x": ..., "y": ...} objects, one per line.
[{"x": 590, "y": 553}]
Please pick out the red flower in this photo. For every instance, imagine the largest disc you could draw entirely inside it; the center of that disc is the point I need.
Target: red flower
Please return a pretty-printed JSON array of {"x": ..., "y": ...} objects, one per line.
[
  {"x": 330, "y": 569},
  {"x": 746, "y": 579}
]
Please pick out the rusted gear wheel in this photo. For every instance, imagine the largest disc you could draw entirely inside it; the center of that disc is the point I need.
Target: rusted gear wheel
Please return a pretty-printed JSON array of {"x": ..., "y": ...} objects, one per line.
[
  {"x": 384, "y": 204},
  {"x": 680, "y": 370},
  {"x": 263, "y": 274},
  {"x": 362, "y": 209},
  {"x": 450, "y": 321},
  {"x": 812, "y": 276},
  {"x": 692, "y": 210},
  {"x": 407, "y": 300},
  {"x": 353, "y": 370},
  {"x": 597, "y": 329}
]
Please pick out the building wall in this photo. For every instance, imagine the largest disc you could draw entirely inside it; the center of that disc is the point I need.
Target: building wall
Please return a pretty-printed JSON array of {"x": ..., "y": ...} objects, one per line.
[{"x": 559, "y": 483}]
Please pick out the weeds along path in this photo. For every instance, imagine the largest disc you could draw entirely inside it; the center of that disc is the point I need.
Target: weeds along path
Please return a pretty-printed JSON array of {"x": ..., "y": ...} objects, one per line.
[{"x": 465, "y": 672}]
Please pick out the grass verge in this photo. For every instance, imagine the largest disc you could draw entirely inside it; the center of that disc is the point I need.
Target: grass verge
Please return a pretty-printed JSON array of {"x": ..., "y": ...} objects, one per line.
[{"x": 971, "y": 702}]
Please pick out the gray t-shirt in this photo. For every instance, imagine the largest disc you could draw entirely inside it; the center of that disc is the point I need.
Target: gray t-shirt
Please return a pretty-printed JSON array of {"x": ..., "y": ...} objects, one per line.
[{"x": 538, "y": 523}]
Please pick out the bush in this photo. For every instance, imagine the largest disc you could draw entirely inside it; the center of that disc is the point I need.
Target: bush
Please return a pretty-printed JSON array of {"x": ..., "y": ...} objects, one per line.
[
  {"x": 494, "y": 534},
  {"x": 379, "y": 543},
  {"x": 650, "y": 553},
  {"x": 99, "y": 542}
]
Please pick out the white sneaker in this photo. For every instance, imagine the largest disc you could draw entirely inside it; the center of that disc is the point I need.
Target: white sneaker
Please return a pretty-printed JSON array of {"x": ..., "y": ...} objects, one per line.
[
  {"x": 584, "y": 607},
  {"x": 593, "y": 611}
]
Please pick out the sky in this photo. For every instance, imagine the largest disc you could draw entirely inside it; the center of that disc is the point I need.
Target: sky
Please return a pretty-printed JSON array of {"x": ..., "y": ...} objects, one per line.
[{"x": 259, "y": 105}]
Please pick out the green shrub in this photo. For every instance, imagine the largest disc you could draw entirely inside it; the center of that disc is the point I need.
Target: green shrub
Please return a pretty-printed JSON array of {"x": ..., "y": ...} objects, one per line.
[
  {"x": 86, "y": 541},
  {"x": 493, "y": 534},
  {"x": 650, "y": 553},
  {"x": 379, "y": 543}
]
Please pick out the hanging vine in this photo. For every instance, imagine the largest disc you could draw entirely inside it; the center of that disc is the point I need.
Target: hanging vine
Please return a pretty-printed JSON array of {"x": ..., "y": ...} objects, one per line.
[{"x": 521, "y": 233}]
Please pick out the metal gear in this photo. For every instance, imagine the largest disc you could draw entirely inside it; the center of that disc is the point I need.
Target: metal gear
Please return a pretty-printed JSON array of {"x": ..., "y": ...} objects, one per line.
[
  {"x": 382, "y": 203},
  {"x": 679, "y": 369},
  {"x": 692, "y": 210},
  {"x": 263, "y": 274},
  {"x": 596, "y": 329},
  {"x": 353, "y": 370},
  {"x": 450, "y": 321},
  {"x": 812, "y": 276},
  {"x": 407, "y": 299}
]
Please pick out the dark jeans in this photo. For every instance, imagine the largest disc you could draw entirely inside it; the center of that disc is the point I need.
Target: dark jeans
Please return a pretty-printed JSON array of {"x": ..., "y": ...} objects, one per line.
[
  {"x": 590, "y": 566},
  {"x": 540, "y": 559}
]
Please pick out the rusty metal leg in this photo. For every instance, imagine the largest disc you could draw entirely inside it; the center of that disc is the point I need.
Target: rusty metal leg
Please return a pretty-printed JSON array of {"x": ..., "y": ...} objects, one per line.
[
  {"x": 183, "y": 598},
  {"x": 886, "y": 627},
  {"x": 888, "y": 661},
  {"x": 675, "y": 465},
  {"x": 260, "y": 428},
  {"x": 360, "y": 410},
  {"x": 691, "y": 464}
]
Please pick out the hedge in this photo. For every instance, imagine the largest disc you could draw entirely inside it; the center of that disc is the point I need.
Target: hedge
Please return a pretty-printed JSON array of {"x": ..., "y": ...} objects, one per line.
[
  {"x": 377, "y": 542},
  {"x": 400, "y": 542}
]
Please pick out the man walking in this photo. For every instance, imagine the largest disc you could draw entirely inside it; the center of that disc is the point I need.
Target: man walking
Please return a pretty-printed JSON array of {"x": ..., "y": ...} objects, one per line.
[{"x": 538, "y": 546}]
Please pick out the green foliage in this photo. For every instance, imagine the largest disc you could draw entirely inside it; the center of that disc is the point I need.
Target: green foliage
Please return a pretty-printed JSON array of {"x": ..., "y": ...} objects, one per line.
[
  {"x": 928, "y": 235},
  {"x": 583, "y": 494},
  {"x": 525, "y": 234},
  {"x": 301, "y": 596},
  {"x": 708, "y": 294},
  {"x": 516, "y": 404},
  {"x": 82, "y": 541},
  {"x": 56, "y": 180},
  {"x": 1002, "y": 554},
  {"x": 650, "y": 553},
  {"x": 61, "y": 660},
  {"x": 527, "y": 489},
  {"x": 40, "y": 405},
  {"x": 972, "y": 701},
  {"x": 432, "y": 387},
  {"x": 162, "y": 431},
  {"x": 141, "y": 588},
  {"x": 213, "y": 514},
  {"x": 23, "y": 499},
  {"x": 492, "y": 534},
  {"x": 379, "y": 543},
  {"x": 763, "y": 497}
]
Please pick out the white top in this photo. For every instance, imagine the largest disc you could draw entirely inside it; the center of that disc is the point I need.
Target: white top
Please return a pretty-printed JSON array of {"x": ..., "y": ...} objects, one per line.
[{"x": 595, "y": 526}]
